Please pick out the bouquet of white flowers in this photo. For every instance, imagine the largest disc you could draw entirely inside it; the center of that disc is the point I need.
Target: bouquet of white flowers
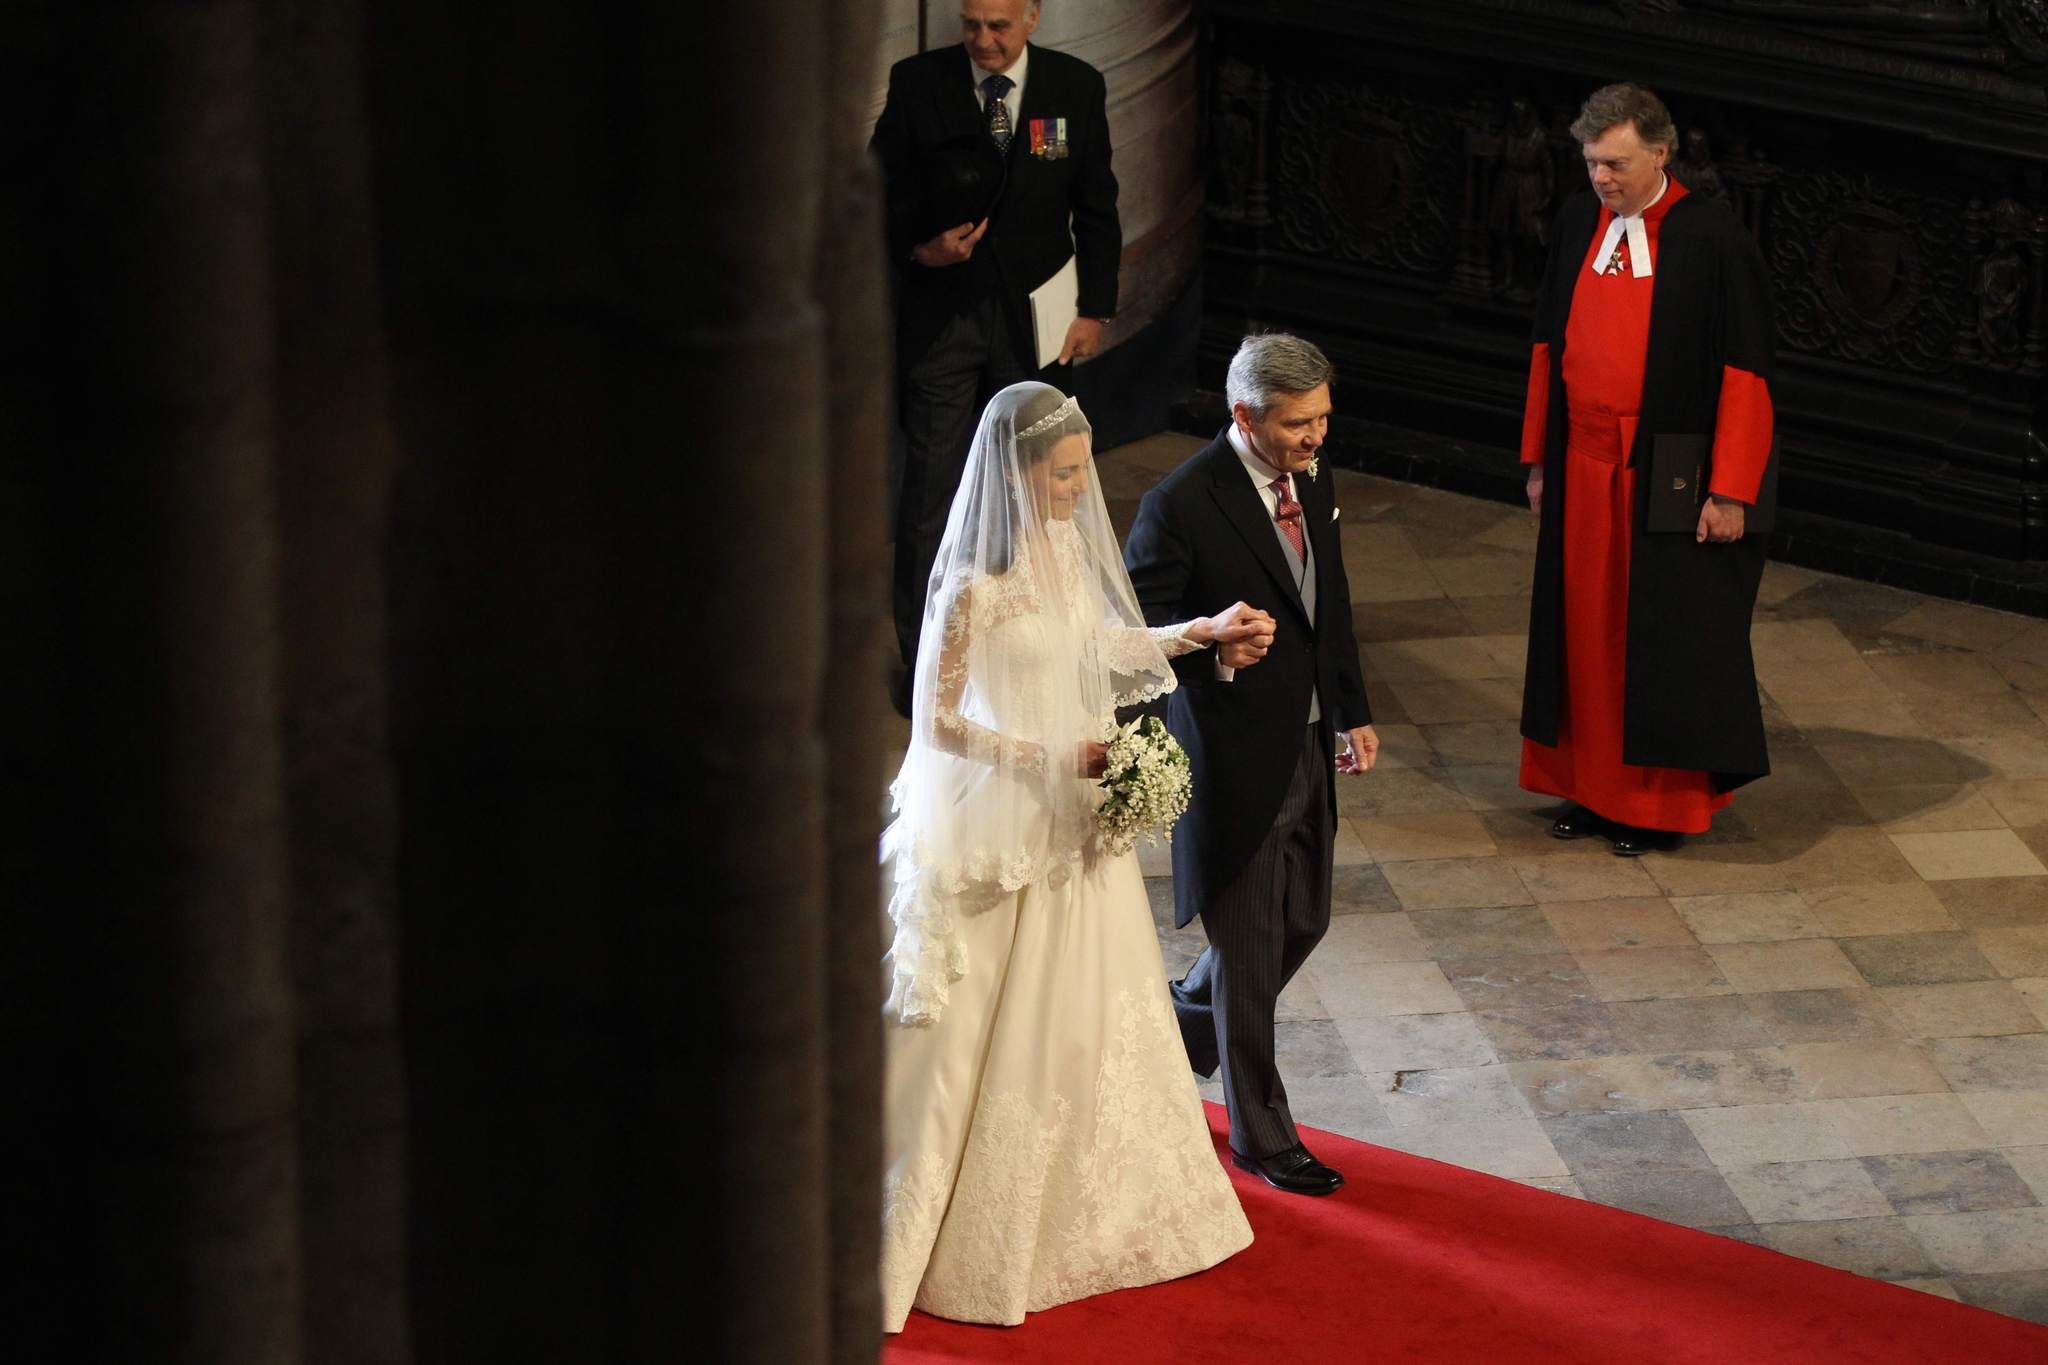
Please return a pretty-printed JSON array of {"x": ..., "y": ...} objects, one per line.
[{"x": 1148, "y": 783}]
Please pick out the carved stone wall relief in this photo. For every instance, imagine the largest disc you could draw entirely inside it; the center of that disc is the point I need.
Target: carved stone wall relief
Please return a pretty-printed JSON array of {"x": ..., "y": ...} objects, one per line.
[{"x": 1367, "y": 177}]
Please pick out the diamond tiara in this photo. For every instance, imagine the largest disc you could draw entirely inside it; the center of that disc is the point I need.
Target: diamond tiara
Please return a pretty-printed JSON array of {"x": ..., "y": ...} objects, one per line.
[{"x": 1052, "y": 419}]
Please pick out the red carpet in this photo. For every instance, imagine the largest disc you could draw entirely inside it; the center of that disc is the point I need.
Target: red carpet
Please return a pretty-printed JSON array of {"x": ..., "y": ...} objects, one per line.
[{"x": 1416, "y": 1260}]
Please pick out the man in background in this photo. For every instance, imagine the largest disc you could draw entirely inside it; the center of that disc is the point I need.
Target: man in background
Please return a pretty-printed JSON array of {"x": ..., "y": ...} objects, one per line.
[{"x": 963, "y": 289}]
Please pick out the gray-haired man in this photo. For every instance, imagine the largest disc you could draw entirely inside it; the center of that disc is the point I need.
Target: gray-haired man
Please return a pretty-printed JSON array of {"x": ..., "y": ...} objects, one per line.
[{"x": 1246, "y": 518}]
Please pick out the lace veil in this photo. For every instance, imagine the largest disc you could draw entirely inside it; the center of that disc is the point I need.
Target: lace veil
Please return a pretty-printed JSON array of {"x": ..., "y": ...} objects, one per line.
[{"x": 1032, "y": 638}]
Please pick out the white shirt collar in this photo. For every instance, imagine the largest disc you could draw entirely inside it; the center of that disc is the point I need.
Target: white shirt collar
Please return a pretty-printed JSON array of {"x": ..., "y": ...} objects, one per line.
[
  {"x": 1255, "y": 468},
  {"x": 1015, "y": 73}
]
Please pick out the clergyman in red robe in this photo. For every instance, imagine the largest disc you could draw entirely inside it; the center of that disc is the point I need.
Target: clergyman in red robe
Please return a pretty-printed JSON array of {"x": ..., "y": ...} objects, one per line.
[{"x": 1639, "y": 704}]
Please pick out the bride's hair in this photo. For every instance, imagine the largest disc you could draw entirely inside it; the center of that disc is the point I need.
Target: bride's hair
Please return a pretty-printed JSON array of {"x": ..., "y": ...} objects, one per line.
[{"x": 1040, "y": 417}]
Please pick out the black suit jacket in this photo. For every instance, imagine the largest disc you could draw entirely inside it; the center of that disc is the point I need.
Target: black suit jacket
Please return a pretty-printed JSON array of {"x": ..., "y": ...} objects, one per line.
[
  {"x": 1203, "y": 540},
  {"x": 932, "y": 100}
]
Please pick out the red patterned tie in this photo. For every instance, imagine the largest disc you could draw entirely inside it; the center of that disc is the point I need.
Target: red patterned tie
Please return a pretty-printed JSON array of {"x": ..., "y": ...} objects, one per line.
[{"x": 1288, "y": 514}]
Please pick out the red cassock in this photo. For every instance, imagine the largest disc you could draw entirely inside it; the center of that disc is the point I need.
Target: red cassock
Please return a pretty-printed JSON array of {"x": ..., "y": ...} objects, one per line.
[{"x": 1606, "y": 338}]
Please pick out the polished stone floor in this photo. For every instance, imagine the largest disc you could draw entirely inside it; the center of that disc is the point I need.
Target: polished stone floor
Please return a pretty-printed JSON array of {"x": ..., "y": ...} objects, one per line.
[{"x": 1822, "y": 1027}]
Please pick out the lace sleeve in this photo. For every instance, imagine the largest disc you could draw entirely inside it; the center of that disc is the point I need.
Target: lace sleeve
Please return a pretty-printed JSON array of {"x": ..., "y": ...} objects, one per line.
[{"x": 952, "y": 731}]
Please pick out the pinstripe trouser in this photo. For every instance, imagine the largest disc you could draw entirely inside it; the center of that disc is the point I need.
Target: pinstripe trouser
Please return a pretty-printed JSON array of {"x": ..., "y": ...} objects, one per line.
[{"x": 1261, "y": 928}]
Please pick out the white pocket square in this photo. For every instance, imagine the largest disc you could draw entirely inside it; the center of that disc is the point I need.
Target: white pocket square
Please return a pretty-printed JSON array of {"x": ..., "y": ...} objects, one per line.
[{"x": 1336, "y": 512}]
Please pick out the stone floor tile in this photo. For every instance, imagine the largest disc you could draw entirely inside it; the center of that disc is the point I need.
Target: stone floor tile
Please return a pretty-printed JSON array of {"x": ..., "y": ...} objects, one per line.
[
  {"x": 1806, "y": 964},
  {"x": 1375, "y": 990},
  {"x": 1881, "y": 1248},
  {"x": 1652, "y": 973},
  {"x": 1881, "y": 1125},
  {"x": 2005, "y": 716},
  {"x": 1469, "y": 575},
  {"x": 1485, "y": 931},
  {"x": 1807, "y": 1191},
  {"x": 1473, "y": 741},
  {"x": 1747, "y": 1233},
  {"x": 1432, "y": 834},
  {"x": 2031, "y": 1165},
  {"x": 2034, "y": 990},
  {"x": 1608, "y": 1144},
  {"x": 1863, "y": 1067},
  {"x": 1361, "y": 890},
  {"x": 1451, "y": 699},
  {"x": 1442, "y": 657},
  {"x": 1713, "y": 1022},
  {"x": 1402, "y": 746},
  {"x": 1553, "y": 1184},
  {"x": 1406, "y": 618},
  {"x": 1935, "y": 1285},
  {"x": 2013, "y": 1118},
  {"x": 1994, "y": 902},
  {"x": 2006, "y": 755},
  {"x": 1584, "y": 879},
  {"x": 1866, "y": 763},
  {"x": 1710, "y": 869},
  {"x": 1960, "y": 1009},
  {"x": 1357, "y": 939},
  {"x": 1455, "y": 883},
  {"x": 1525, "y": 835},
  {"x": 1487, "y": 614},
  {"x": 1709, "y": 1080},
  {"x": 2019, "y": 1062},
  {"x": 1949, "y": 1182},
  {"x": 1748, "y": 917},
  {"x": 2018, "y": 801},
  {"x": 1298, "y": 1000},
  {"x": 1529, "y": 981},
  {"x": 1987, "y": 1243},
  {"x": 1337, "y": 1104},
  {"x": 1312, "y": 1047},
  {"x": 1629, "y": 922},
  {"x": 1866, "y": 908},
  {"x": 1345, "y": 850},
  {"x": 2021, "y": 951},
  {"x": 1515, "y": 1148},
  {"x": 2019, "y": 1294},
  {"x": 1969, "y": 853},
  {"x": 1409, "y": 1042},
  {"x": 1918, "y": 959},
  {"x": 1397, "y": 792},
  {"x": 1890, "y": 718},
  {"x": 1823, "y": 1016},
  {"x": 1694, "y": 1199},
  {"x": 1961, "y": 625},
  {"x": 1763, "y": 1134},
  {"x": 1844, "y": 854},
  {"x": 1593, "y": 1085},
  {"x": 1935, "y": 677},
  {"x": 1555, "y": 1031},
  {"x": 1932, "y": 809},
  {"x": 1443, "y": 1095},
  {"x": 1496, "y": 786}
]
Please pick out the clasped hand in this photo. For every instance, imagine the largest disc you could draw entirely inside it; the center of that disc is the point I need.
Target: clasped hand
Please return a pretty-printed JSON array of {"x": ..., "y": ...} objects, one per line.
[
  {"x": 1241, "y": 633},
  {"x": 950, "y": 247}
]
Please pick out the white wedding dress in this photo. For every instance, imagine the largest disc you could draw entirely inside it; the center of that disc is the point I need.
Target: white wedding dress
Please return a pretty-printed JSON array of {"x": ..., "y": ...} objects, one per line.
[{"x": 1044, "y": 1138}]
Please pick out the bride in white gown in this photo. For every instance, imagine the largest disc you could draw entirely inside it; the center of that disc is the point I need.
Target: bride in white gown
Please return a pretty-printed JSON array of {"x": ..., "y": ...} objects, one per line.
[{"x": 1045, "y": 1140}]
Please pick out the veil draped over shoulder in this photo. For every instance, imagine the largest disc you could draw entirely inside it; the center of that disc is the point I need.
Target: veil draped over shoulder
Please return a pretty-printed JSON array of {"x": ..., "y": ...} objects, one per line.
[{"x": 1032, "y": 638}]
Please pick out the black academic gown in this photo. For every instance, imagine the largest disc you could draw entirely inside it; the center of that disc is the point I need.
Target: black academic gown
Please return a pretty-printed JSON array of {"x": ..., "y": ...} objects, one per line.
[
  {"x": 1690, "y": 696},
  {"x": 931, "y": 101}
]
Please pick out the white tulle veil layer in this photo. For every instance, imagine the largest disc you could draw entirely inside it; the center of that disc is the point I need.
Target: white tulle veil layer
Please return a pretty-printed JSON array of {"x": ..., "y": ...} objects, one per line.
[{"x": 1032, "y": 638}]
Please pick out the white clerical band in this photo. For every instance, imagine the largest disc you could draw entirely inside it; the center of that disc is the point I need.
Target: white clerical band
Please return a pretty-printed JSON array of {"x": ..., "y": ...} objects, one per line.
[{"x": 1638, "y": 246}]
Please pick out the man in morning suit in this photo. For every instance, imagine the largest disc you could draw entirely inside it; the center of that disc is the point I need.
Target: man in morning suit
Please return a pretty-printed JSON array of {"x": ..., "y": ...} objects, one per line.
[
  {"x": 963, "y": 290},
  {"x": 1247, "y": 519},
  {"x": 1653, "y": 327}
]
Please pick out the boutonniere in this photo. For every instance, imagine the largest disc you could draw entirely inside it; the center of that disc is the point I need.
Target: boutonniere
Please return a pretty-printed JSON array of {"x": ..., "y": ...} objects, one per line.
[{"x": 1315, "y": 466}]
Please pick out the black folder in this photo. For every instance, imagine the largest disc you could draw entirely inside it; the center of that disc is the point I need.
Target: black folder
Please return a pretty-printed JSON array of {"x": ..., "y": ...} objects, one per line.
[{"x": 1680, "y": 469}]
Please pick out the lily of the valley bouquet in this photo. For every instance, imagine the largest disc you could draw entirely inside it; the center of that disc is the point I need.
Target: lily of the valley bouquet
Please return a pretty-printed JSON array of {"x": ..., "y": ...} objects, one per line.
[{"x": 1149, "y": 785}]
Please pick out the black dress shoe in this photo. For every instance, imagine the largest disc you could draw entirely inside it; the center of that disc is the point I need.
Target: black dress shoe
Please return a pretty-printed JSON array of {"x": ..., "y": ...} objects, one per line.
[
  {"x": 1630, "y": 842},
  {"x": 1577, "y": 823},
  {"x": 899, "y": 692},
  {"x": 1293, "y": 1170}
]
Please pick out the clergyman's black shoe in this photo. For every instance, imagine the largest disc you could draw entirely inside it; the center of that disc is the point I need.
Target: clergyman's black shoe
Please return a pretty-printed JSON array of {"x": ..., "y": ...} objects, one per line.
[
  {"x": 1292, "y": 1170},
  {"x": 1630, "y": 842},
  {"x": 1577, "y": 823}
]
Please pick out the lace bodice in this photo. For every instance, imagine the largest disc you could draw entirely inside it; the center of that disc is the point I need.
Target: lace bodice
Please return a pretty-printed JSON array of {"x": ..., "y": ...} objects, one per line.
[{"x": 1005, "y": 717}]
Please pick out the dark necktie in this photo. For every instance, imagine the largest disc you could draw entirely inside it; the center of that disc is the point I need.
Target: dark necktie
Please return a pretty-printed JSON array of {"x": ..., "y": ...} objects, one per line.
[
  {"x": 1288, "y": 514},
  {"x": 998, "y": 113}
]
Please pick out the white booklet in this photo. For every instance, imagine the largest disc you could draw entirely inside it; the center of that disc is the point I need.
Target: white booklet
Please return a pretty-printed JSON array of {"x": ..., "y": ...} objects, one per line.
[{"x": 1054, "y": 306}]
